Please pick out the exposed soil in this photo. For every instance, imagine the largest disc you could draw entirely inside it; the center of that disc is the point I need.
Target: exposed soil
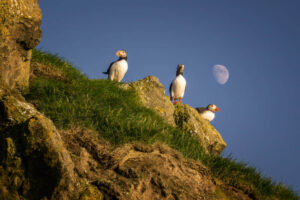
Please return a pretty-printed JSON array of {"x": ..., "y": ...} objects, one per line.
[{"x": 38, "y": 69}]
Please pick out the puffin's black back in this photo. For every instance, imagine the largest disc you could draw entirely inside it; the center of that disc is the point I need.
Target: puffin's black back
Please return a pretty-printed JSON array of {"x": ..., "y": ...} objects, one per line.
[{"x": 201, "y": 109}]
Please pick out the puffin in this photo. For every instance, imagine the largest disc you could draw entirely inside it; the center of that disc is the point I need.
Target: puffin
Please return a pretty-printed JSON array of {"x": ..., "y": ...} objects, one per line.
[
  {"x": 117, "y": 69},
  {"x": 178, "y": 85},
  {"x": 208, "y": 112}
]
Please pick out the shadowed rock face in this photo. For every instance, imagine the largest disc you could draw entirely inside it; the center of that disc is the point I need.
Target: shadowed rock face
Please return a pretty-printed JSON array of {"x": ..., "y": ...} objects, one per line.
[
  {"x": 20, "y": 32},
  {"x": 34, "y": 163}
]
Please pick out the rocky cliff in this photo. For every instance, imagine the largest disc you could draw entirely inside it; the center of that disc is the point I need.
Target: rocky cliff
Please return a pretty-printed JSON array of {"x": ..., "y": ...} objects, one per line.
[{"x": 19, "y": 33}]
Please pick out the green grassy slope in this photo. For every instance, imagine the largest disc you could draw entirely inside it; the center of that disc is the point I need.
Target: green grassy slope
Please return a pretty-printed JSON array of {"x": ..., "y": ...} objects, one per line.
[{"x": 119, "y": 117}]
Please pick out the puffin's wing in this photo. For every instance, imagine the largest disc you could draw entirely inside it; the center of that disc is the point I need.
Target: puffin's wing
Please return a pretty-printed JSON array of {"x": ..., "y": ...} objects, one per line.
[
  {"x": 107, "y": 72},
  {"x": 201, "y": 109}
]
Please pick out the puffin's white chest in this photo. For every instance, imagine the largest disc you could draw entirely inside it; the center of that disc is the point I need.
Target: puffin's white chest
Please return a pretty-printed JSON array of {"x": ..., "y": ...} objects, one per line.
[
  {"x": 118, "y": 70},
  {"x": 208, "y": 115},
  {"x": 178, "y": 87}
]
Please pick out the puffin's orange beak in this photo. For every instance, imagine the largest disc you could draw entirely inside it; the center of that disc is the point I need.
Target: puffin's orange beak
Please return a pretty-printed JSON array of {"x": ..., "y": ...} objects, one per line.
[
  {"x": 217, "y": 109},
  {"x": 118, "y": 53}
]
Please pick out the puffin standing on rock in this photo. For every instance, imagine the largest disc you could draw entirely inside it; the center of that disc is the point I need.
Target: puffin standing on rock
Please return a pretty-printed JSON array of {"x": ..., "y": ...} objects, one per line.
[
  {"x": 117, "y": 70},
  {"x": 178, "y": 85},
  {"x": 208, "y": 112}
]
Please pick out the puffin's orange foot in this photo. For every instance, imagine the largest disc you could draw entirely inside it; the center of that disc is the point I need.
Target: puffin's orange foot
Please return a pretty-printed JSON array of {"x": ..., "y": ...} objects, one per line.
[{"x": 173, "y": 101}]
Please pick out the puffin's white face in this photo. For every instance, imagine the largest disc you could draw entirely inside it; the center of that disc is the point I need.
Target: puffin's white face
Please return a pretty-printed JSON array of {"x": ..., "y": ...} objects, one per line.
[
  {"x": 121, "y": 53},
  {"x": 213, "y": 108}
]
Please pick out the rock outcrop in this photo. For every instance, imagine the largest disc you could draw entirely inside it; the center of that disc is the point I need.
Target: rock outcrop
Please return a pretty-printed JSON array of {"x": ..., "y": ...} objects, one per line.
[
  {"x": 152, "y": 94},
  {"x": 19, "y": 33}
]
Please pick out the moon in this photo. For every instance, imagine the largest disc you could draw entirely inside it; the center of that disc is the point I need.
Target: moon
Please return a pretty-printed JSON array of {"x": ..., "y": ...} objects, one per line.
[{"x": 221, "y": 74}]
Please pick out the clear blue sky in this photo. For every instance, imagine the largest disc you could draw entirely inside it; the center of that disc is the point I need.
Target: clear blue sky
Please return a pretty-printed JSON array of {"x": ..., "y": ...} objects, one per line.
[{"x": 258, "y": 41}]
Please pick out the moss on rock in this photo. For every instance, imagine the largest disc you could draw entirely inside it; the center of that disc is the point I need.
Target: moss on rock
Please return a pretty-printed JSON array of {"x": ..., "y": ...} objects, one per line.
[
  {"x": 152, "y": 95},
  {"x": 12, "y": 180},
  {"x": 91, "y": 193}
]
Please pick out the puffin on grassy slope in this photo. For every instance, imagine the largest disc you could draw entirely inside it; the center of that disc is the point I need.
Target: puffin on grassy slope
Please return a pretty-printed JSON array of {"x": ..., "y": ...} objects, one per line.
[
  {"x": 208, "y": 112},
  {"x": 117, "y": 70},
  {"x": 178, "y": 85}
]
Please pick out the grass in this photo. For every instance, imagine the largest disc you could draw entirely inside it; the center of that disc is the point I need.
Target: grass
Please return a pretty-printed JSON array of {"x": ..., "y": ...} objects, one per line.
[{"x": 119, "y": 117}]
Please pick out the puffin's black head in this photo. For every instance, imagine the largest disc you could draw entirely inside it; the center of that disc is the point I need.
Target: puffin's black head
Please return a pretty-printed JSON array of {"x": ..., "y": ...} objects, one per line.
[
  {"x": 180, "y": 68},
  {"x": 122, "y": 54},
  {"x": 213, "y": 108}
]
